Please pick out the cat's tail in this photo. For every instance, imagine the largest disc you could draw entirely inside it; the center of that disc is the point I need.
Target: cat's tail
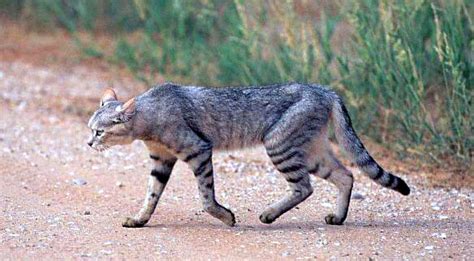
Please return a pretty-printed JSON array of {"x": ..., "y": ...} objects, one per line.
[{"x": 348, "y": 139}]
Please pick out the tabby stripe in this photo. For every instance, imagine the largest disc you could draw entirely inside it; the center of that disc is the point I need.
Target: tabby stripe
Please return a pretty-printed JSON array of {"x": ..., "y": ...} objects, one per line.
[
  {"x": 366, "y": 161},
  {"x": 298, "y": 141},
  {"x": 391, "y": 179},
  {"x": 315, "y": 169},
  {"x": 379, "y": 174},
  {"x": 192, "y": 156},
  {"x": 395, "y": 183},
  {"x": 280, "y": 144},
  {"x": 168, "y": 164},
  {"x": 153, "y": 157},
  {"x": 277, "y": 120},
  {"x": 295, "y": 180},
  {"x": 327, "y": 175},
  {"x": 210, "y": 185},
  {"x": 202, "y": 167},
  {"x": 278, "y": 151},
  {"x": 208, "y": 174},
  {"x": 291, "y": 168},
  {"x": 287, "y": 157},
  {"x": 205, "y": 174},
  {"x": 161, "y": 176}
]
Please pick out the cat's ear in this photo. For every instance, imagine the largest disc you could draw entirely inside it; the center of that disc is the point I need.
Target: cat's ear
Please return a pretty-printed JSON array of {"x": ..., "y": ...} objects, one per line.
[
  {"x": 126, "y": 111},
  {"x": 129, "y": 106},
  {"x": 109, "y": 95}
]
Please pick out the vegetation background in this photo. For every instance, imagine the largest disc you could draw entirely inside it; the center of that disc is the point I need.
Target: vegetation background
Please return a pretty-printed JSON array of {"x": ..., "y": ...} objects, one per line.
[{"x": 405, "y": 66}]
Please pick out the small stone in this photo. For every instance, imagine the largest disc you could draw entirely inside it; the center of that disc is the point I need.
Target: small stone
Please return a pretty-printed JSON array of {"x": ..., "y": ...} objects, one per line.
[
  {"x": 429, "y": 247},
  {"x": 79, "y": 182},
  {"x": 326, "y": 204},
  {"x": 358, "y": 196},
  {"x": 439, "y": 235},
  {"x": 87, "y": 212},
  {"x": 106, "y": 252},
  {"x": 119, "y": 184},
  {"x": 443, "y": 217},
  {"x": 129, "y": 167}
]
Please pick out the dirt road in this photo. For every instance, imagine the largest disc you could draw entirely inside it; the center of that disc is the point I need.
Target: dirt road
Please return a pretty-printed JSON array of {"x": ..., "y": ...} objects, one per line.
[{"x": 60, "y": 199}]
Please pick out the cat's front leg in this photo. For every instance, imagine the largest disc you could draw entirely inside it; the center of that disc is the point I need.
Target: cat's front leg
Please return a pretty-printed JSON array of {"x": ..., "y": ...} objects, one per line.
[
  {"x": 201, "y": 163},
  {"x": 163, "y": 165}
]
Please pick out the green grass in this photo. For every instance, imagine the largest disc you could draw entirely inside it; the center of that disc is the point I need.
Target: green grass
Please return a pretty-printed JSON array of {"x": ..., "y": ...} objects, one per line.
[{"x": 404, "y": 67}]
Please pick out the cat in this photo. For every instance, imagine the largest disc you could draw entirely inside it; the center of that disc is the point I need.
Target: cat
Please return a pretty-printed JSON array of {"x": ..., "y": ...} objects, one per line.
[{"x": 190, "y": 122}]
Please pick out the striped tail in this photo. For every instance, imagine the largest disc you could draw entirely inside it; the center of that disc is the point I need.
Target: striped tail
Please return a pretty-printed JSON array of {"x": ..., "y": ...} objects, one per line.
[{"x": 347, "y": 137}]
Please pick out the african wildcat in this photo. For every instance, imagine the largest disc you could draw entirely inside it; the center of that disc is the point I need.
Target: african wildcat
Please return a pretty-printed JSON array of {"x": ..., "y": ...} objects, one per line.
[{"x": 188, "y": 123}]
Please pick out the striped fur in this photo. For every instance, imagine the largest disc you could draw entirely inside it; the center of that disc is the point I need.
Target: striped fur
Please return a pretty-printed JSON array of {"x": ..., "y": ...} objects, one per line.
[
  {"x": 191, "y": 122},
  {"x": 349, "y": 140}
]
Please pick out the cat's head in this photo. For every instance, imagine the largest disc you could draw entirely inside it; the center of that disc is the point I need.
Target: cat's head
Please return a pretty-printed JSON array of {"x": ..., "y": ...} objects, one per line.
[{"x": 112, "y": 123}]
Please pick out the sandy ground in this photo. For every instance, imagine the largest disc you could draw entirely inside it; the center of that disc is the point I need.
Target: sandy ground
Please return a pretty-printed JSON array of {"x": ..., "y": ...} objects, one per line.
[{"x": 60, "y": 199}]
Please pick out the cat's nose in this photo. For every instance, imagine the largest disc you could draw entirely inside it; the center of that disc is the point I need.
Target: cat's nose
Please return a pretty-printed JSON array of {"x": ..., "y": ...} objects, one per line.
[{"x": 90, "y": 143}]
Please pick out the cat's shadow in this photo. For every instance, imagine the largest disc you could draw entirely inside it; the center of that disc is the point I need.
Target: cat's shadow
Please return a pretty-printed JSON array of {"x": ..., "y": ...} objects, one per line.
[{"x": 307, "y": 226}]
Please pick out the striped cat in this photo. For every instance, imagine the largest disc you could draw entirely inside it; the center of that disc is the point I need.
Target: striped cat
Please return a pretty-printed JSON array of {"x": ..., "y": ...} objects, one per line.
[{"x": 189, "y": 123}]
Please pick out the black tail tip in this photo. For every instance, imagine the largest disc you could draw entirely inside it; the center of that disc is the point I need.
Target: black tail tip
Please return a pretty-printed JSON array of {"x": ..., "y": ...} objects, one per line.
[{"x": 403, "y": 188}]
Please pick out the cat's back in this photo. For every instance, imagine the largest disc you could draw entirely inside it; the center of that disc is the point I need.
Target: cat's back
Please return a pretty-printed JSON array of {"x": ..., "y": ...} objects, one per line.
[
  {"x": 175, "y": 92},
  {"x": 276, "y": 93}
]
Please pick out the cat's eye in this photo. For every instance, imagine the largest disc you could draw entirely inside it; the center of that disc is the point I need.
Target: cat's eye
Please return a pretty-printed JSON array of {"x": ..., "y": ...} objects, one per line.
[{"x": 99, "y": 133}]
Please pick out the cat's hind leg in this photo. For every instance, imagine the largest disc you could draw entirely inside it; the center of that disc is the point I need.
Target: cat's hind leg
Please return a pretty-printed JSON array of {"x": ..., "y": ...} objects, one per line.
[
  {"x": 299, "y": 183},
  {"x": 159, "y": 176},
  {"x": 329, "y": 168},
  {"x": 289, "y": 160},
  {"x": 286, "y": 143}
]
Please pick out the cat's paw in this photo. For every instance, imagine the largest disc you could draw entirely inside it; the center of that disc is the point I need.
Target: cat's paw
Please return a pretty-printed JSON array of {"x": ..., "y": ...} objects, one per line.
[
  {"x": 332, "y": 219},
  {"x": 230, "y": 219},
  {"x": 267, "y": 217},
  {"x": 222, "y": 213},
  {"x": 131, "y": 222}
]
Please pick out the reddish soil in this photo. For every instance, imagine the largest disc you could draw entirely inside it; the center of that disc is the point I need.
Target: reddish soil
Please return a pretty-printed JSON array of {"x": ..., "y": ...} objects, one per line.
[{"x": 61, "y": 200}]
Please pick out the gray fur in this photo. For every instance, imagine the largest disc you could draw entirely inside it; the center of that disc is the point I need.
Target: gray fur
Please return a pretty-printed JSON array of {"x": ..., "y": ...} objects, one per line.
[{"x": 190, "y": 122}]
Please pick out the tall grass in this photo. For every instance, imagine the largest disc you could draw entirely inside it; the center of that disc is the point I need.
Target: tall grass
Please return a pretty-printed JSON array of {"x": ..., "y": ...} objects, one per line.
[
  {"x": 411, "y": 72},
  {"x": 404, "y": 66}
]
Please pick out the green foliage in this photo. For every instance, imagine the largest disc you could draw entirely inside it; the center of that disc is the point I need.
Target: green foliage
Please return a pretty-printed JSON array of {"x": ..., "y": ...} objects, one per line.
[
  {"x": 405, "y": 66},
  {"x": 411, "y": 71}
]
